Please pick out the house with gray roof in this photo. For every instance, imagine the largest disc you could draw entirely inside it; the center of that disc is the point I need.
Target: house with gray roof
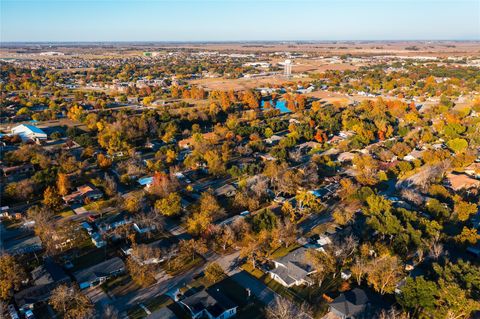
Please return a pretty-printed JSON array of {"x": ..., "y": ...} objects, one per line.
[
  {"x": 99, "y": 273},
  {"x": 211, "y": 303},
  {"x": 45, "y": 278},
  {"x": 293, "y": 269},
  {"x": 350, "y": 304}
]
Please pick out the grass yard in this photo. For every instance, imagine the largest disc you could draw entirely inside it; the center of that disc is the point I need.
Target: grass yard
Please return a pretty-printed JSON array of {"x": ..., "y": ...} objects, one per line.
[
  {"x": 89, "y": 259},
  {"x": 191, "y": 263},
  {"x": 120, "y": 285},
  {"x": 66, "y": 213},
  {"x": 282, "y": 251}
]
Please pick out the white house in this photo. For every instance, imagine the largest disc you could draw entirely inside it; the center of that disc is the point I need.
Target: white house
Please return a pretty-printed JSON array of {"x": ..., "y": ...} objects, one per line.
[
  {"x": 29, "y": 132},
  {"x": 293, "y": 269}
]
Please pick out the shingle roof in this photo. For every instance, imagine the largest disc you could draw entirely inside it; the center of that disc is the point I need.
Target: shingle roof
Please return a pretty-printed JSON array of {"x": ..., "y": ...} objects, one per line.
[
  {"x": 351, "y": 303},
  {"x": 99, "y": 270}
]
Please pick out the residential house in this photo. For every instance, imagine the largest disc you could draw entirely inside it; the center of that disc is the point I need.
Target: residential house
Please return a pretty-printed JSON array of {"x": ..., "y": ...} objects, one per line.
[
  {"x": 16, "y": 171},
  {"x": 462, "y": 181},
  {"x": 29, "y": 132},
  {"x": 45, "y": 278},
  {"x": 211, "y": 303},
  {"x": 83, "y": 194},
  {"x": 227, "y": 190},
  {"x": 473, "y": 170},
  {"x": 99, "y": 273},
  {"x": 351, "y": 304},
  {"x": 293, "y": 269},
  {"x": 187, "y": 143}
]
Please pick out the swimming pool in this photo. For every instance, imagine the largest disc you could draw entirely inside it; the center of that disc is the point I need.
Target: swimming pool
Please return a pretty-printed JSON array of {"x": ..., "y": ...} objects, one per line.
[{"x": 280, "y": 105}]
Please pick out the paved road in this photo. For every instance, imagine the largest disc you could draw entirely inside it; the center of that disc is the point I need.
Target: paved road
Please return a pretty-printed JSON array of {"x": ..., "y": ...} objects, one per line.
[
  {"x": 314, "y": 220},
  {"x": 167, "y": 283}
]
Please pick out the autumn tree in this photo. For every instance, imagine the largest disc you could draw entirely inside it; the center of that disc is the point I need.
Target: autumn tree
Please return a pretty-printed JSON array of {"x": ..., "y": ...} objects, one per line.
[
  {"x": 11, "y": 276},
  {"x": 384, "y": 273},
  {"x": 63, "y": 184},
  {"x": 214, "y": 272},
  {"x": 71, "y": 303},
  {"x": 142, "y": 274},
  {"x": 170, "y": 205},
  {"x": 51, "y": 198}
]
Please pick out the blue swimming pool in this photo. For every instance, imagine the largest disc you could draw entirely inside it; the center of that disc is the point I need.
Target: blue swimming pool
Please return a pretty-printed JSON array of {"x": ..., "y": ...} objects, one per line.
[{"x": 280, "y": 105}]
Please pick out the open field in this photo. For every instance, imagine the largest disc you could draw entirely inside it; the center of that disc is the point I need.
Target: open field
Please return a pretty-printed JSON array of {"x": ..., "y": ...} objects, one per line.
[{"x": 400, "y": 48}]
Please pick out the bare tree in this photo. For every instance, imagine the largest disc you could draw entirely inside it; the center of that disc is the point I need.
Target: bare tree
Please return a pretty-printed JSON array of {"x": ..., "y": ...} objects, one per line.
[
  {"x": 282, "y": 308},
  {"x": 109, "y": 312},
  {"x": 110, "y": 185},
  {"x": 436, "y": 250},
  {"x": 393, "y": 313}
]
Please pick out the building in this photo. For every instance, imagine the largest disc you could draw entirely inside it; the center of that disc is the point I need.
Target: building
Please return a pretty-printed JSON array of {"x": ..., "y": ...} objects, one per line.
[
  {"x": 45, "y": 278},
  {"x": 29, "y": 132},
  {"x": 462, "y": 181},
  {"x": 293, "y": 269},
  {"x": 211, "y": 303},
  {"x": 99, "y": 273},
  {"x": 473, "y": 170},
  {"x": 351, "y": 304},
  {"x": 85, "y": 193}
]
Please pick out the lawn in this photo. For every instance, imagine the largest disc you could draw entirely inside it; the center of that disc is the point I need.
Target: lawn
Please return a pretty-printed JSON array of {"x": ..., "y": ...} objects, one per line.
[
  {"x": 190, "y": 264},
  {"x": 282, "y": 251},
  {"x": 89, "y": 259},
  {"x": 152, "y": 305},
  {"x": 66, "y": 213},
  {"x": 120, "y": 285}
]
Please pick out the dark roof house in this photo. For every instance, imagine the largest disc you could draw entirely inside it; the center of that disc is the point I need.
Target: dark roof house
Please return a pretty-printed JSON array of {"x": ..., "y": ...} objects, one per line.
[
  {"x": 99, "y": 273},
  {"x": 46, "y": 278},
  {"x": 211, "y": 303}
]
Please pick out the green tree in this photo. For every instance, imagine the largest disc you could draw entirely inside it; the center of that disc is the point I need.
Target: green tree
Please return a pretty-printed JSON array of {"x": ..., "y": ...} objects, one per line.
[{"x": 418, "y": 295}]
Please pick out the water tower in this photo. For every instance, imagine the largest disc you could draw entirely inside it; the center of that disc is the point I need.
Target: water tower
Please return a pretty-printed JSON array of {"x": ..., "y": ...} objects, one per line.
[{"x": 287, "y": 68}]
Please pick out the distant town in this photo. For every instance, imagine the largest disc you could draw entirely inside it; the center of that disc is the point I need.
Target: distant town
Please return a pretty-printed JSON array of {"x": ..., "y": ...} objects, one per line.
[{"x": 254, "y": 180}]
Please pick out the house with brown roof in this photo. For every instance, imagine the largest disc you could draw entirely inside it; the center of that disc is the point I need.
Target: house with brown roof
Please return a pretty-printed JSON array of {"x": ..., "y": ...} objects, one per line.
[{"x": 462, "y": 181}]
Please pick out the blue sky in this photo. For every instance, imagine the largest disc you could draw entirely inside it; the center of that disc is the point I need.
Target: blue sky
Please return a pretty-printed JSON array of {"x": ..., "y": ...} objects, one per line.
[{"x": 236, "y": 20}]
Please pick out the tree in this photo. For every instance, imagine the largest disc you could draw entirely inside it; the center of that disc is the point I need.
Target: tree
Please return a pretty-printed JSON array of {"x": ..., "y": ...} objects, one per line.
[
  {"x": 214, "y": 162},
  {"x": 51, "y": 198},
  {"x": 282, "y": 308},
  {"x": 11, "y": 275},
  {"x": 323, "y": 262},
  {"x": 359, "y": 269},
  {"x": 110, "y": 185},
  {"x": 134, "y": 202},
  {"x": 384, "y": 273},
  {"x": 417, "y": 295},
  {"x": 366, "y": 169},
  {"x": 71, "y": 303},
  {"x": 468, "y": 235},
  {"x": 458, "y": 145},
  {"x": 265, "y": 219},
  {"x": 169, "y": 206},
  {"x": 192, "y": 247},
  {"x": 463, "y": 210},
  {"x": 103, "y": 161},
  {"x": 214, "y": 272},
  {"x": 453, "y": 302},
  {"x": 142, "y": 274},
  {"x": 63, "y": 184}
]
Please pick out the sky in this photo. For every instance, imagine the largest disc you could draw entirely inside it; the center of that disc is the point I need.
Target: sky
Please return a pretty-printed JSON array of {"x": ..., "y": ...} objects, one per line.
[{"x": 238, "y": 20}]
